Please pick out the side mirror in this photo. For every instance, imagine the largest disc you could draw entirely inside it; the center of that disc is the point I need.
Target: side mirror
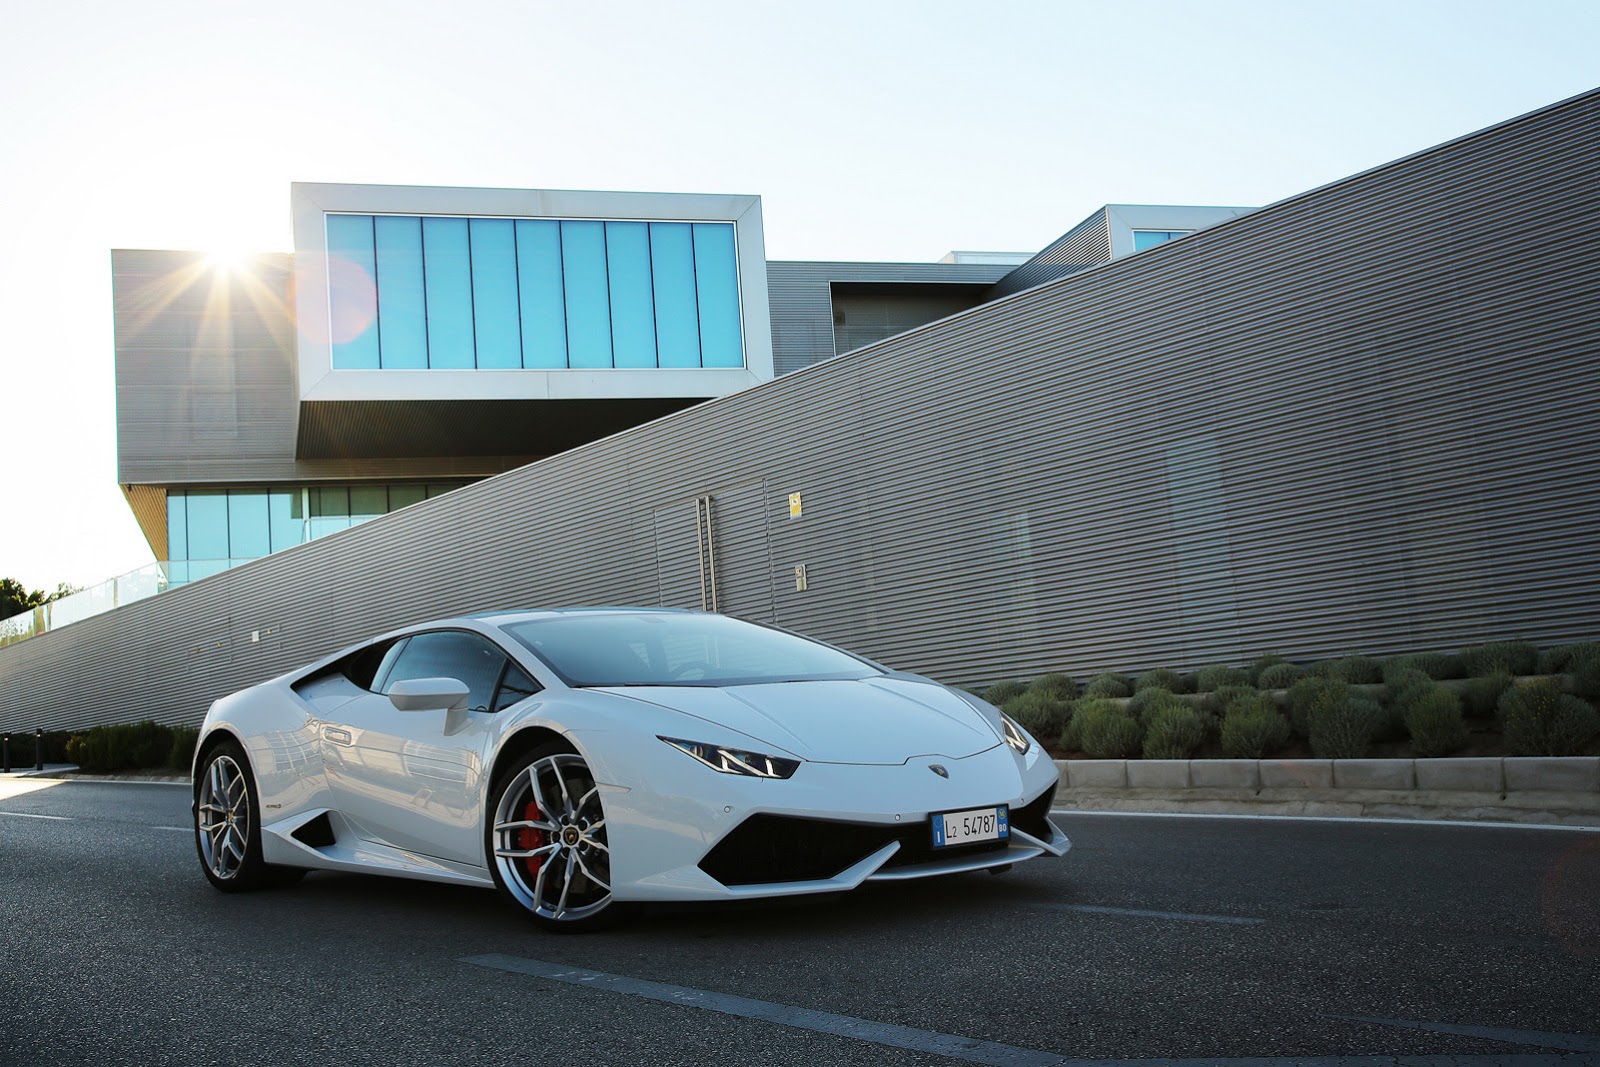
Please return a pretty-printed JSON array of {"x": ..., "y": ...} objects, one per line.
[{"x": 429, "y": 694}]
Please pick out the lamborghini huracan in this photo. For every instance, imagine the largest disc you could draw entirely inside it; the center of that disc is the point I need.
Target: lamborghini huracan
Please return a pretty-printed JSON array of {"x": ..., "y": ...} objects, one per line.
[{"x": 582, "y": 759}]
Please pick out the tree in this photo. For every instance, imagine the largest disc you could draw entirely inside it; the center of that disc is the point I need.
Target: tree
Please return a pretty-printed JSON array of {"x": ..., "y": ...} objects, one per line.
[{"x": 15, "y": 597}]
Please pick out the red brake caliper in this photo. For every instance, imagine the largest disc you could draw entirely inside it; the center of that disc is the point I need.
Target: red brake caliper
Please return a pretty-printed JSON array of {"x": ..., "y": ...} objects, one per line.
[{"x": 529, "y": 838}]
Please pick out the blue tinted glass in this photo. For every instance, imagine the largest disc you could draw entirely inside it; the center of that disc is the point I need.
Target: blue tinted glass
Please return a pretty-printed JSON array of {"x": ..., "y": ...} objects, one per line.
[
  {"x": 441, "y": 488},
  {"x": 352, "y": 293},
  {"x": 402, "y": 321},
  {"x": 1143, "y": 239},
  {"x": 717, "y": 281},
  {"x": 544, "y": 312},
  {"x": 368, "y": 502},
  {"x": 403, "y": 495},
  {"x": 249, "y": 531},
  {"x": 583, "y": 261},
  {"x": 330, "y": 510},
  {"x": 208, "y": 524},
  {"x": 633, "y": 320},
  {"x": 677, "y": 317},
  {"x": 448, "y": 274},
  {"x": 177, "y": 526},
  {"x": 206, "y": 568},
  {"x": 494, "y": 293},
  {"x": 284, "y": 520}
]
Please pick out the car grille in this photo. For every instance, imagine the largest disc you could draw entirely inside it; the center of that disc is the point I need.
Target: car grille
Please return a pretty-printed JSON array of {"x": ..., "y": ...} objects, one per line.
[{"x": 783, "y": 848}]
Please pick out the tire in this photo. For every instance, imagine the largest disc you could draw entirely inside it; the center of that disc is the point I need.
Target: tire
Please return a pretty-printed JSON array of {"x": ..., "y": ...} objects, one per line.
[
  {"x": 546, "y": 842},
  {"x": 227, "y": 830}
]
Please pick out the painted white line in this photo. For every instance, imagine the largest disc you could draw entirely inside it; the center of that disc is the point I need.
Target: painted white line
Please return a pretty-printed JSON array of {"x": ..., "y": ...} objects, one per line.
[
  {"x": 30, "y": 815},
  {"x": 1539, "y": 1038},
  {"x": 1140, "y": 913},
  {"x": 949, "y": 1045},
  {"x": 174, "y": 829},
  {"x": 1356, "y": 819}
]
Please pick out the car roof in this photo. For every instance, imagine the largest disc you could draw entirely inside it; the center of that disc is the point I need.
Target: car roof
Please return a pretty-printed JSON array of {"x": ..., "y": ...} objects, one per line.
[{"x": 506, "y": 615}]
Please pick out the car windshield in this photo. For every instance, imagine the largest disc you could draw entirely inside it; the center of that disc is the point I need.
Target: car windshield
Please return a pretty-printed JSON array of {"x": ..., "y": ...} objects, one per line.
[{"x": 679, "y": 649}]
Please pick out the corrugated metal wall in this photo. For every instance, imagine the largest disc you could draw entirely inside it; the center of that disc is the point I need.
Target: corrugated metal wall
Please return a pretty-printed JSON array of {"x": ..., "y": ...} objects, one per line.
[
  {"x": 1336, "y": 424},
  {"x": 1088, "y": 244}
]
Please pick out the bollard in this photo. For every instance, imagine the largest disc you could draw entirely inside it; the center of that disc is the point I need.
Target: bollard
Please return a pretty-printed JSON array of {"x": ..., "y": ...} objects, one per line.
[
  {"x": 38, "y": 749},
  {"x": 5, "y": 753}
]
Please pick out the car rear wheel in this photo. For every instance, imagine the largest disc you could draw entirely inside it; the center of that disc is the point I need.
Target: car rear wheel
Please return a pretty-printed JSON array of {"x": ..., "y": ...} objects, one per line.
[
  {"x": 227, "y": 833},
  {"x": 547, "y": 844}
]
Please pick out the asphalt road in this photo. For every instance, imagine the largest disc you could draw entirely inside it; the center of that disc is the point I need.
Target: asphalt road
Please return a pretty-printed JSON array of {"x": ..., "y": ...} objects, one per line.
[{"x": 1193, "y": 938}]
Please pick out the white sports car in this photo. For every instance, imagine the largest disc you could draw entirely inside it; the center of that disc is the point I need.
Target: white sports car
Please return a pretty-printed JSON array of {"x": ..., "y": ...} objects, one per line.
[{"x": 584, "y": 758}]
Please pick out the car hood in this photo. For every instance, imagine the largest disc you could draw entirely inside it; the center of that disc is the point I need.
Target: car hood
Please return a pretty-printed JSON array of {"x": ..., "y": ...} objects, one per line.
[{"x": 876, "y": 720}]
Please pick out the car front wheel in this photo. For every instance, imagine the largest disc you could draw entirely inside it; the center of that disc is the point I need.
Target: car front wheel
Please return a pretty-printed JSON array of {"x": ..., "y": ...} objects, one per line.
[
  {"x": 547, "y": 841},
  {"x": 227, "y": 832}
]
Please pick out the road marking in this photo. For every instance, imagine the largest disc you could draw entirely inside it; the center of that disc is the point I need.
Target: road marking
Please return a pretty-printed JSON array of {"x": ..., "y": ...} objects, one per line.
[
  {"x": 967, "y": 1049},
  {"x": 1140, "y": 913},
  {"x": 1568, "y": 1042},
  {"x": 30, "y": 815},
  {"x": 904, "y": 1037},
  {"x": 174, "y": 829},
  {"x": 1331, "y": 818}
]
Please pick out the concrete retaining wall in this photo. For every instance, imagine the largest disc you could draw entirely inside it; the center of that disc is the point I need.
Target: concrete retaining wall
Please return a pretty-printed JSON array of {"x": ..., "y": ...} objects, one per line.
[{"x": 1558, "y": 790}]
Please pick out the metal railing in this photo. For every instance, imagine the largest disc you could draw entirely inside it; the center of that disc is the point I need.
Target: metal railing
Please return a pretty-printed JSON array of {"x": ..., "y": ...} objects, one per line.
[{"x": 147, "y": 581}]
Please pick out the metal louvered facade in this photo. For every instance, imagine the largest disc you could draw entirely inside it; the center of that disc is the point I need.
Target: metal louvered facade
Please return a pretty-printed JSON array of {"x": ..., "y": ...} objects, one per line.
[{"x": 1332, "y": 425}]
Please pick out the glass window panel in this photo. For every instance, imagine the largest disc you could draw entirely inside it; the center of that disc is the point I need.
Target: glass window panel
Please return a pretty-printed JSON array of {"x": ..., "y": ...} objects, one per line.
[
  {"x": 284, "y": 520},
  {"x": 451, "y": 654},
  {"x": 633, "y": 320},
  {"x": 583, "y": 268},
  {"x": 177, "y": 526},
  {"x": 1143, "y": 239},
  {"x": 494, "y": 293},
  {"x": 205, "y": 568},
  {"x": 368, "y": 502},
  {"x": 402, "y": 318},
  {"x": 352, "y": 292},
  {"x": 544, "y": 312},
  {"x": 208, "y": 524},
  {"x": 404, "y": 495},
  {"x": 677, "y": 316},
  {"x": 330, "y": 510},
  {"x": 249, "y": 530},
  {"x": 441, "y": 488},
  {"x": 447, "y": 273},
  {"x": 717, "y": 282}
]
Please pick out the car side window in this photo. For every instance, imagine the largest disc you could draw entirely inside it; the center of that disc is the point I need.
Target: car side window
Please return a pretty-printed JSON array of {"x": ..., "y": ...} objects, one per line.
[
  {"x": 514, "y": 686},
  {"x": 456, "y": 654}
]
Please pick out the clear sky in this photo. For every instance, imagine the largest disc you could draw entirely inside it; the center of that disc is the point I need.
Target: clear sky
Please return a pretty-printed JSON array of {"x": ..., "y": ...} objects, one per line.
[{"x": 872, "y": 130}]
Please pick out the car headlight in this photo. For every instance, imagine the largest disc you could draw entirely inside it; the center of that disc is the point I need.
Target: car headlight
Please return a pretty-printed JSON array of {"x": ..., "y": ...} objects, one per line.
[
  {"x": 735, "y": 761},
  {"x": 1016, "y": 736}
]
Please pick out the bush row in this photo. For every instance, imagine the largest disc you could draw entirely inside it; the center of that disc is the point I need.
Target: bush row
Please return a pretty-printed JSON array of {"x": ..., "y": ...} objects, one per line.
[
  {"x": 1170, "y": 716},
  {"x": 133, "y": 747}
]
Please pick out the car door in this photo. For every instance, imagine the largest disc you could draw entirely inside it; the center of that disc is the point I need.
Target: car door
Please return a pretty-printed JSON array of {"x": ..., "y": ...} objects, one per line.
[{"x": 414, "y": 779}]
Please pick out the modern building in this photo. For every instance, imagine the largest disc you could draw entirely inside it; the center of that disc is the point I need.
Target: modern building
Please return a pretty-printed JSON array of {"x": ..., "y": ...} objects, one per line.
[{"x": 1361, "y": 419}]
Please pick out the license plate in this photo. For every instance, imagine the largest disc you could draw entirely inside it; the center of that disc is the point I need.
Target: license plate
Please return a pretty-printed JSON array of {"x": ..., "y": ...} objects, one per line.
[{"x": 970, "y": 827}]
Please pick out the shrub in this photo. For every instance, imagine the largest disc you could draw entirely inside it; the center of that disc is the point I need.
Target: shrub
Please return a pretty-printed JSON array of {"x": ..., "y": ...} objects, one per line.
[
  {"x": 1344, "y": 730},
  {"x": 1280, "y": 676},
  {"x": 1563, "y": 658},
  {"x": 124, "y": 747},
  {"x": 1500, "y": 657},
  {"x": 1541, "y": 720},
  {"x": 1480, "y": 697},
  {"x": 1107, "y": 684},
  {"x": 1224, "y": 697},
  {"x": 1253, "y": 729},
  {"x": 1000, "y": 692},
  {"x": 1352, "y": 670},
  {"x": 1584, "y": 666},
  {"x": 1174, "y": 731},
  {"x": 1310, "y": 693},
  {"x": 1146, "y": 702},
  {"x": 1057, "y": 685},
  {"x": 56, "y": 745},
  {"x": 1040, "y": 714},
  {"x": 1433, "y": 719},
  {"x": 180, "y": 757},
  {"x": 1261, "y": 664},
  {"x": 1210, "y": 679},
  {"x": 1436, "y": 665},
  {"x": 1160, "y": 678},
  {"x": 1107, "y": 731},
  {"x": 1405, "y": 685}
]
